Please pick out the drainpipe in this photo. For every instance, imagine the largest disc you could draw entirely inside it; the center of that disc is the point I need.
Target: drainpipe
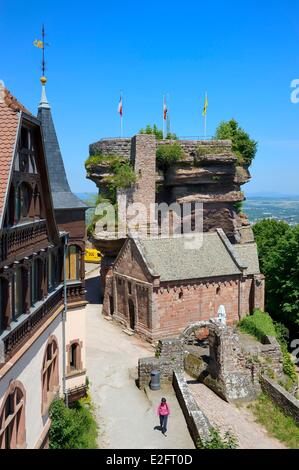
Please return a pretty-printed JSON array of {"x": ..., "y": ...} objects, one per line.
[{"x": 65, "y": 242}]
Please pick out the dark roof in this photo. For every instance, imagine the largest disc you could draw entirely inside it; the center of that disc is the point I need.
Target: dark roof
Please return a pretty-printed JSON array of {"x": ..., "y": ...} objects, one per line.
[
  {"x": 171, "y": 259},
  {"x": 9, "y": 122},
  {"x": 63, "y": 198}
]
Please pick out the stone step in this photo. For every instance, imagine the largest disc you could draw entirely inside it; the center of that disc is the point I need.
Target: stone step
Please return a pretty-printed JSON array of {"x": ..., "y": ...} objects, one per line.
[{"x": 128, "y": 332}]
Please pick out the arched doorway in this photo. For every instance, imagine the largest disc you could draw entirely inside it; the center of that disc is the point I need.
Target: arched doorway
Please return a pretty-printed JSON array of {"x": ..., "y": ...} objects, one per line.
[{"x": 132, "y": 314}]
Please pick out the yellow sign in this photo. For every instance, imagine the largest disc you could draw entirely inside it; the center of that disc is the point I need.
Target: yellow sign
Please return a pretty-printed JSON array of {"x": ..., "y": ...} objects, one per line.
[{"x": 92, "y": 255}]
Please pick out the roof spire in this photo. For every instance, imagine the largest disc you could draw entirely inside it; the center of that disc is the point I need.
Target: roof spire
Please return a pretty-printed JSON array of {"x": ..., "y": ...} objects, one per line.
[{"x": 41, "y": 45}]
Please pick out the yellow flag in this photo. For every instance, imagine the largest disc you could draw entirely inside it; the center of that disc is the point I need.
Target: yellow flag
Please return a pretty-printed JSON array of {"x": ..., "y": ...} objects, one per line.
[
  {"x": 205, "y": 107},
  {"x": 38, "y": 43}
]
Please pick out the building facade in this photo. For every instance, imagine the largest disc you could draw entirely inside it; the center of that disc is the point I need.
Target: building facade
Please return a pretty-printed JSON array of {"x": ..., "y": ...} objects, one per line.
[
  {"x": 160, "y": 286},
  {"x": 32, "y": 343}
]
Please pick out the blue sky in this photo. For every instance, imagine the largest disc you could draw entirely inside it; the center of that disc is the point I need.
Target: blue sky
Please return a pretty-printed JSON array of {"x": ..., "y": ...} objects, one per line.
[{"x": 245, "y": 54}]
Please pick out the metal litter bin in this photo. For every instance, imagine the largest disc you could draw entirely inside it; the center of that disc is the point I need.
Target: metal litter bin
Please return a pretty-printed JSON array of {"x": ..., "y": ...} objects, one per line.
[{"x": 155, "y": 380}]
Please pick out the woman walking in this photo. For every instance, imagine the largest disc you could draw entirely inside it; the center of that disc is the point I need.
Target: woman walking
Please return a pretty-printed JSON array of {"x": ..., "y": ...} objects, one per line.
[{"x": 163, "y": 413}]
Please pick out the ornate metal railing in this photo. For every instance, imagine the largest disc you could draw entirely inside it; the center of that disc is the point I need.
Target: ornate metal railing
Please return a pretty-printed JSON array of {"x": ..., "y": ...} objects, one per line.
[{"x": 21, "y": 237}]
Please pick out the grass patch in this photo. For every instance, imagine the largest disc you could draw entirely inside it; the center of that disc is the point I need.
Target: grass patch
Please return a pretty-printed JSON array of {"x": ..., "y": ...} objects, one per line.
[
  {"x": 259, "y": 325},
  {"x": 279, "y": 425}
]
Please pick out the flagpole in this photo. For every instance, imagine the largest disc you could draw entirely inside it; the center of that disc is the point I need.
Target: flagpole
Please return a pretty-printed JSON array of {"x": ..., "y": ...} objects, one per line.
[
  {"x": 121, "y": 115},
  {"x": 163, "y": 117},
  {"x": 205, "y": 117}
]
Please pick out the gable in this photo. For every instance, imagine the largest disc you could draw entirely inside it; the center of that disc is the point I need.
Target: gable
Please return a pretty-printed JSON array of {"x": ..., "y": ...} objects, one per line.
[
  {"x": 130, "y": 263},
  {"x": 28, "y": 197}
]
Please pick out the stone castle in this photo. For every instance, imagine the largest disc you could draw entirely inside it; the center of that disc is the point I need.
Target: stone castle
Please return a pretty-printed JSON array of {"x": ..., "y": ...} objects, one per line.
[{"x": 155, "y": 286}]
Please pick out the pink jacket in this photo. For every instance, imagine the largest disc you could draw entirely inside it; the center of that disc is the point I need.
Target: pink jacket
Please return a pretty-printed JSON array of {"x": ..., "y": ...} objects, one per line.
[{"x": 163, "y": 410}]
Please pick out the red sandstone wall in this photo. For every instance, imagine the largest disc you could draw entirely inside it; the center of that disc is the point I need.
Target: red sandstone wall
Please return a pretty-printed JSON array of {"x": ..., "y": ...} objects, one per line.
[{"x": 199, "y": 303}]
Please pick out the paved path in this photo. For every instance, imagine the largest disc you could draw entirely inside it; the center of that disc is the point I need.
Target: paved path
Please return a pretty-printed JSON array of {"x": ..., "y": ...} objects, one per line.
[
  {"x": 250, "y": 434},
  {"x": 126, "y": 415}
]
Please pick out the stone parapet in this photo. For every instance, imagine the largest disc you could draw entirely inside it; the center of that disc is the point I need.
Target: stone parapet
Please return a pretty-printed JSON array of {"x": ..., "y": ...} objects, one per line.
[
  {"x": 281, "y": 397},
  {"x": 197, "y": 422}
]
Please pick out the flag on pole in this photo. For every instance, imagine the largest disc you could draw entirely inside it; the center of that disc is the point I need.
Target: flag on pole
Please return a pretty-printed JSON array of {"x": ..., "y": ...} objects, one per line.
[
  {"x": 205, "y": 107},
  {"x": 120, "y": 106},
  {"x": 38, "y": 43},
  {"x": 165, "y": 110}
]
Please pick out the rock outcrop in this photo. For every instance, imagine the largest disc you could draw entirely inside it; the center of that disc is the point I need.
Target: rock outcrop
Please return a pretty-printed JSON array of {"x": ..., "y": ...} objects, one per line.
[{"x": 207, "y": 173}]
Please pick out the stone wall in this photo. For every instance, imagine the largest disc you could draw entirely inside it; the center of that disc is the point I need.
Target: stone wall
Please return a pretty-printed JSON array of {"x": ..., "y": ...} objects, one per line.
[
  {"x": 198, "y": 424},
  {"x": 182, "y": 304},
  {"x": 281, "y": 397},
  {"x": 117, "y": 147},
  {"x": 169, "y": 358},
  {"x": 193, "y": 362}
]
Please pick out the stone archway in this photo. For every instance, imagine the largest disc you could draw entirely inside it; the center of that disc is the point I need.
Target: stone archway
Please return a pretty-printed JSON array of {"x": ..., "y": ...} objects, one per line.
[{"x": 190, "y": 330}]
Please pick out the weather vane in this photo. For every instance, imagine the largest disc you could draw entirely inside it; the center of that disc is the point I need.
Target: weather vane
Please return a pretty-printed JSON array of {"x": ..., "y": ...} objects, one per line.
[{"x": 41, "y": 45}]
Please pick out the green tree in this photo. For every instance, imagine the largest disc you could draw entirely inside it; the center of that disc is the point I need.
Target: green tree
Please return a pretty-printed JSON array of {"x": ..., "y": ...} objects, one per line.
[
  {"x": 242, "y": 145},
  {"x": 168, "y": 154},
  {"x": 157, "y": 132},
  {"x": 278, "y": 246}
]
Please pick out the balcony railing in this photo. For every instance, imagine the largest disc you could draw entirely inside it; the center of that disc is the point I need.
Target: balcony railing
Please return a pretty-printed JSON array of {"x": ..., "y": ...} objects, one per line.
[
  {"x": 20, "y": 333},
  {"x": 21, "y": 237}
]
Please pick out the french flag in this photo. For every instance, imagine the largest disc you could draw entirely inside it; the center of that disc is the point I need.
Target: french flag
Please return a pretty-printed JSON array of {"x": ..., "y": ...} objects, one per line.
[
  {"x": 120, "y": 106},
  {"x": 165, "y": 110}
]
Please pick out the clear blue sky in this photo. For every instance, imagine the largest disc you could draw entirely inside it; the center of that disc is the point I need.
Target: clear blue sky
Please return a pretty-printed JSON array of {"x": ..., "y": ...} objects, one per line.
[{"x": 245, "y": 55}]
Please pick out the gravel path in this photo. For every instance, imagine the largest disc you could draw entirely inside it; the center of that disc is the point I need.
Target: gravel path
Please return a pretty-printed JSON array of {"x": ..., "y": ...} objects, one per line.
[
  {"x": 239, "y": 420},
  {"x": 125, "y": 414}
]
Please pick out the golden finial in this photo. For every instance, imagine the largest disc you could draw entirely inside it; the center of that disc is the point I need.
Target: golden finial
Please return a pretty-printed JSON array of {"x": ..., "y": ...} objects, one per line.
[{"x": 43, "y": 80}]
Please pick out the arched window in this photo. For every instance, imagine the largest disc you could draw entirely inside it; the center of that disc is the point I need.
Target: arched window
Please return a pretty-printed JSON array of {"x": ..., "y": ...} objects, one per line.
[
  {"x": 50, "y": 377},
  {"x": 74, "y": 356},
  {"x": 12, "y": 418},
  {"x": 73, "y": 262}
]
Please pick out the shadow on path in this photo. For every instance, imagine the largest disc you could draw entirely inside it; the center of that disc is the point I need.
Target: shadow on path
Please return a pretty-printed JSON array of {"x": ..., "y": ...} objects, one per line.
[{"x": 93, "y": 287}]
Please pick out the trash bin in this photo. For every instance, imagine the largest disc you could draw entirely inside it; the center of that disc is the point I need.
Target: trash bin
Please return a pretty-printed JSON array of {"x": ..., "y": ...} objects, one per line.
[{"x": 155, "y": 380}]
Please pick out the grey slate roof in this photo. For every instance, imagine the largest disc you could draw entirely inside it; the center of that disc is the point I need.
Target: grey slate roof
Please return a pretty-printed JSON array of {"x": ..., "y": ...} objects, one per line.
[
  {"x": 169, "y": 258},
  {"x": 63, "y": 198},
  {"x": 248, "y": 255}
]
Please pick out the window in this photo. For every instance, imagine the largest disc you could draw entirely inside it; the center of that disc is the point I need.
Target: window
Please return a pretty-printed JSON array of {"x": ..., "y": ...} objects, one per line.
[
  {"x": 36, "y": 280},
  {"x": 12, "y": 418},
  {"x": 73, "y": 262},
  {"x": 74, "y": 356},
  {"x": 23, "y": 196},
  {"x": 51, "y": 272},
  {"x": 25, "y": 200},
  {"x": 18, "y": 293},
  {"x": 50, "y": 378},
  {"x": 130, "y": 287},
  {"x": 4, "y": 313}
]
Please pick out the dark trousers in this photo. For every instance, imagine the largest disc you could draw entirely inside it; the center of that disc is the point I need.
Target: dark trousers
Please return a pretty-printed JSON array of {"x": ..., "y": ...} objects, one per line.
[{"x": 163, "y": 423}]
